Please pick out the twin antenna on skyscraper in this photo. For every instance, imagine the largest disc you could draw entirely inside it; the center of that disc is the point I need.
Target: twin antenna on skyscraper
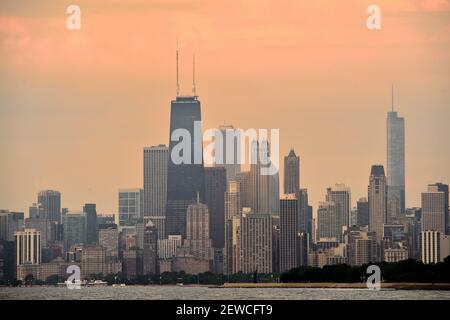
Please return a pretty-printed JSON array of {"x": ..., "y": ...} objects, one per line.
[{"x": 194, "y": 91}]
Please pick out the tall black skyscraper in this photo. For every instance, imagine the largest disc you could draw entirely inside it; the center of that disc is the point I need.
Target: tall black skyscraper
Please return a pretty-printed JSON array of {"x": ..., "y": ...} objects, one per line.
[
  {"x": 91, "y": 223},
  {"x": 288, "y": 232},
  {"x": 184, "y": 180},
  {"x": 216, "y": 186}
]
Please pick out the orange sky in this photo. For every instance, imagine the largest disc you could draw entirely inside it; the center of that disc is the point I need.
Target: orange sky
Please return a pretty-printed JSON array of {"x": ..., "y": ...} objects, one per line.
[{"x": 77, "y": 107}]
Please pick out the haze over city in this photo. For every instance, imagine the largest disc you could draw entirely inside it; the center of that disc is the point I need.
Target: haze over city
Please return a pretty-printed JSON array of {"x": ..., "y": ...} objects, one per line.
[{"x": 77, "y": 107}]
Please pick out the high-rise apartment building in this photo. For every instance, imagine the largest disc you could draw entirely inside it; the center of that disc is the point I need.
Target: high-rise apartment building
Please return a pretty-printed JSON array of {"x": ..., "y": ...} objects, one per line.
[
  {"x": 155, "y": 180},
  {"x": 288, "y": 251},
  {"x": 93, "y": 261},
  {"x": 327, "y": 221},
  {"x": 435, "y": 208},
  {"x": 28, "y": 247},
  {"x": 256, "y": 243},
  {"x": 377, "y": 200},
  {"x": 341, "y": 196}
]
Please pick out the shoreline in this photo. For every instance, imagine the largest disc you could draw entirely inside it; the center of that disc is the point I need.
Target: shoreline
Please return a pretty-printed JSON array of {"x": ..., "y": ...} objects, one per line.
[
  {"x": 296, "y": 285},
  {"x": 334, "y": 285}
]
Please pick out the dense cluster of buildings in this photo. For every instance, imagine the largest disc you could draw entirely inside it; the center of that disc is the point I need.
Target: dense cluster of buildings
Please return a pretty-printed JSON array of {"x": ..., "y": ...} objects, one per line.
[{"x": 221, "y": 219}]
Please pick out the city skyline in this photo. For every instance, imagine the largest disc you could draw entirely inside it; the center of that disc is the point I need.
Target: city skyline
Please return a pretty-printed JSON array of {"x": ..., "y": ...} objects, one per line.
[
  {"x": 247, "y": 169},
  {"x": 81, "y": 122}
]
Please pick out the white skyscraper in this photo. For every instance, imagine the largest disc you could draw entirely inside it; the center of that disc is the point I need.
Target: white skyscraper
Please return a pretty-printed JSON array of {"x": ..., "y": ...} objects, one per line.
[
  {"x": 155, "y": 180},
  {"x": 28, "y": 247},
  {"x": 395, "y": 165}
]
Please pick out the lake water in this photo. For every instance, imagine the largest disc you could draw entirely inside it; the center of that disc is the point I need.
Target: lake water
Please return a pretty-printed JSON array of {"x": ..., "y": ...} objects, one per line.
[{"x": 197, "y": 293}]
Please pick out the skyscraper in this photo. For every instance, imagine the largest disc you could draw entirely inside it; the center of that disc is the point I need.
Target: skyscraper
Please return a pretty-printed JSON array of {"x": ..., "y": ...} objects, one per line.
[
  {"x": 395, "y": 165},
  {"x": 28, "y": 247},
  {"x": 291, "y": 173},
  {"x": 256, "y": 243},
  {"x": 341, "y": 196},
  {"x": 108, "y": 238},
  {"x": 231, "y": 150},
  {"x": 434, "y": 208},
  {"x": 51, "y": 203},
  {"x": 362, "y": 212},
  {"x": 377, "y": 200},
  {"x": 232, "y": 200},
  {"x": 232, "y": 210},
  {"x": 91, "y": 223},
  {"x": 184, "y": 179},
  {"x": 274, "y": 194},
  {"x": 150, "y": 252},
  {"x": 245, "y": 188},
  {"x": 130, "y": 206},
  {"x": 259, "y": 184},
  {"x": 155, "y": 180},
  {"x": 288, "y": 232},
  {"x": 93, "y": 261},
  {"x": 198, "y": 236},
  {"x": 327, "y": 222},
  {"x": 305, "y": 224},
  {"x": 74, "y": 225},
  {"x": 441, "y": 187},
  {"x": 215, "y": 188},
  {"x": 10, "y": 222}
]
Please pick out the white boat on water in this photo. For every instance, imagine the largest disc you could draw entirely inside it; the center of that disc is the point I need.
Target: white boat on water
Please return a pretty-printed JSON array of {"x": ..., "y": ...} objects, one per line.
[{"x": 98, "y": 283}]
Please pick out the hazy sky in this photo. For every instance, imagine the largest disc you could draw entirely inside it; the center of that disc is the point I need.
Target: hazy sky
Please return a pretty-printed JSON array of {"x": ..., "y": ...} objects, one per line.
[{"x": 78, "y": 106}]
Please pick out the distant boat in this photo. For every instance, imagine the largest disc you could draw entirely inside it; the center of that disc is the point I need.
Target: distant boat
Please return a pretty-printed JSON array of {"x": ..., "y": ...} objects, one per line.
[{"x": 98, "y": 283}]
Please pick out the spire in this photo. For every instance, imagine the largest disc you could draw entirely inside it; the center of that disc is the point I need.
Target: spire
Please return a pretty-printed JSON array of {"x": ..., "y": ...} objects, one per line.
[
  {"x": 193, "y": 77},
  {"x": 292, "y": 153},
  {"x": 198, "y": 197},
  {"x": 178, "y": 83}
]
